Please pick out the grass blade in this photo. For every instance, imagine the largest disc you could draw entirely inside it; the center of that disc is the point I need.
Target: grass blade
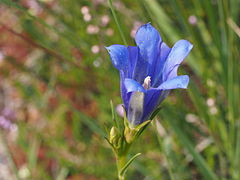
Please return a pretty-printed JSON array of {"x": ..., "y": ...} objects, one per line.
[{"x": 117, "y": 22}]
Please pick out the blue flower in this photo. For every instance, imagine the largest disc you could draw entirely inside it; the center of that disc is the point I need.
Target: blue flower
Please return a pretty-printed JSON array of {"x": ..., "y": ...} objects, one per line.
[{"x": 148, "y": 72}]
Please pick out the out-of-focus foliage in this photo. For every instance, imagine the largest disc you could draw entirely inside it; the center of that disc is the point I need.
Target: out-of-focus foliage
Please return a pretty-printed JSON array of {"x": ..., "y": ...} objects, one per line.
[{"x": 56, "y": 82}]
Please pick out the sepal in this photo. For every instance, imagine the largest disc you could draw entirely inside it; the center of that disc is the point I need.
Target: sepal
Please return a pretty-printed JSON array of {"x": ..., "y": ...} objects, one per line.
[
  {"x": 155, "y": 113},
  {"x": 132, "y": 133}
]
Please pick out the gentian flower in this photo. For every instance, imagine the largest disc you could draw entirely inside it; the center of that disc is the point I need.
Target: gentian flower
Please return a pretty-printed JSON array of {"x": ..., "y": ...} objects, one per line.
[{"x": 148, "y": 72}]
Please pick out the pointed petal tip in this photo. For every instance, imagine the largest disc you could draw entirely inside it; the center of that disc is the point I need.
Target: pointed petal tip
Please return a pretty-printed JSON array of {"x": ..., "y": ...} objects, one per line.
[
  {"x": 185, "y": 81},
  {"x": 190, "y": 46},
  {"x": 111, "y": 46},
  {"x": 147, "y": 25},
  {"x": 107, "y": 48}
]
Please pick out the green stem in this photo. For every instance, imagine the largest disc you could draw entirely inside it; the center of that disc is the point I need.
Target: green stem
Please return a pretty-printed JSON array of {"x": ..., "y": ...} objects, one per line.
[{"x": 121, "y": 161}]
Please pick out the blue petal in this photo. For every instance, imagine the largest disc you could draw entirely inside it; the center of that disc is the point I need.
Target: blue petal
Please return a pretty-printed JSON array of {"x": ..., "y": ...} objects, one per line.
[
  {"x": 152, "y": 99},
  {"x": 179, "y": 51},
  {"x": 150, "y": 102},
  {"x": 177, "y": 82},
  {"x": 124, "y": 94},
  {"x": 119, "y": 56},
  {"x": 157, "y": 73},
  {"x": 133, "y": 52},
  {"x": 148, "y": 40},
  {"x": 138, "y": 68},
  {"x": 133, "y": 86},
  {"x": 141, "y": 70}
]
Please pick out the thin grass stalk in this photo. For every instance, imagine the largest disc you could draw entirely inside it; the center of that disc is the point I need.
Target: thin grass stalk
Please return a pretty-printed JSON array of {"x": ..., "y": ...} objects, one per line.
[
  {"x": 213, "y": 23},
  {"x": 160, "y": 142},
  {"x": 233, "y": 28},
  {"x": 200, "y": 162},
  {"x": 117, "y": 22},
  {"x": 227, "y": 58}
]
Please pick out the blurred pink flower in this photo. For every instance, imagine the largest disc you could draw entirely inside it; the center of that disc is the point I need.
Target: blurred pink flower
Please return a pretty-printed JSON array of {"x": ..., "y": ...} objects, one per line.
[
  {"x": 109, "y": 32},
  {"x": 95, "y": 49},
  {"x": 85, "y": 10},
  {"x": 105, "y": 20},
  {"x": 192, "y": 20},
  {"x": 92, "y": 29},
  {"x": 87, "y": 17}
]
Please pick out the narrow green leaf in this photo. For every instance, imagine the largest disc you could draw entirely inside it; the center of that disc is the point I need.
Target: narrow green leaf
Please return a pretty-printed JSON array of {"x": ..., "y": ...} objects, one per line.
[
  {"x": 124, "y": 169},
  {"x": 142, "y": 127},
  {"x": 155, "y": 113}
]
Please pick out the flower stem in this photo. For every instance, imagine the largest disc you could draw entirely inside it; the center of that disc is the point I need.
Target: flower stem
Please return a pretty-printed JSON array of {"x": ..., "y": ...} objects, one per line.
[{"x": 121, "y": 161}]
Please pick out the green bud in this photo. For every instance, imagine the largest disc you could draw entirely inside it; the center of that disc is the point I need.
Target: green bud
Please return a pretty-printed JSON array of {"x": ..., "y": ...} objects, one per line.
[
  {"x": 113, "y": 136},
  {"x": 129, "y": 134}
]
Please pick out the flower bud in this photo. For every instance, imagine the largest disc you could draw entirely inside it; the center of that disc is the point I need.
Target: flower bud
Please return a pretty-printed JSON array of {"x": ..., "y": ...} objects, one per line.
[
  {"x": 113, "y": 136},
  {"x": 129, "y": 134}
]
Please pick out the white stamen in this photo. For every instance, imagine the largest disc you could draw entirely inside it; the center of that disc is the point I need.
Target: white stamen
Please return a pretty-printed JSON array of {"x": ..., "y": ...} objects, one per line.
[{"x": 147, "y": 82}]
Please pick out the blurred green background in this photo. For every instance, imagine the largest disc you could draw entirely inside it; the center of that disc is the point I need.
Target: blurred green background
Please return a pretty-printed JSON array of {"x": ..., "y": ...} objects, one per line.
[{"x": 56, "y": 83}]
